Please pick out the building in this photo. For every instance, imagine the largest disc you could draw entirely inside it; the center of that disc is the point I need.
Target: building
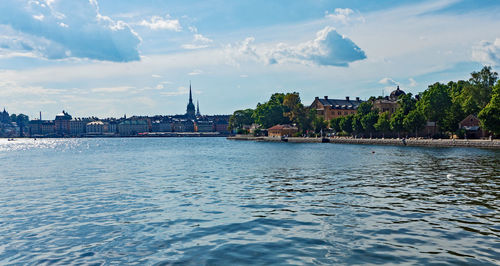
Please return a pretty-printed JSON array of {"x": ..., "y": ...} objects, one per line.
[
  {"x": 161, "y": 125},
  {"x": 333, "y": 108},
  {"x": 132, "y": 127},
  {"x": 472, "y": 127},
  {"x": 77, "y": 126},
  {"x": 182, "y": 125},
  {"x": 282, "y": 131},
  {"x": 389, "y": 103},
  {"x": 205, "y": 126},
  {"x": 96, "y": 128},
  {"x": 62, "y": 124}
]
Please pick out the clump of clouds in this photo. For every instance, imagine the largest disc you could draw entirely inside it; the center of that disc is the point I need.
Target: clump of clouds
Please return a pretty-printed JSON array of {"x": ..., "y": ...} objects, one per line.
[
  {"x": 162, "y": 23},
  {"x": 344, "y": 16},
  {"x": 388, "y": 81},
  {"x": 199, "y": 42},
  {"x": 328, "y": 49},
  {"x": 63, "y": 29},
  {"x": 487, "y": 52}
]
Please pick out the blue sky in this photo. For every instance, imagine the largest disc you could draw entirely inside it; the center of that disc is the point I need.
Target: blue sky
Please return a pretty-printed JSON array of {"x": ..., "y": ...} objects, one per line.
[{"x": 109, "y": 58}]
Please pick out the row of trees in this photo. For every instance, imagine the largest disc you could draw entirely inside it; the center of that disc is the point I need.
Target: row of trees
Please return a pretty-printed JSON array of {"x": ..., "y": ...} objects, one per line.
[
  {"x": 280, "y": 109},
  {"x": 445, "y": 104}
]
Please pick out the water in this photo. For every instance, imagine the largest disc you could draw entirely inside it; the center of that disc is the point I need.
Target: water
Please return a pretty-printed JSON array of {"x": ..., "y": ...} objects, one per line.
[{"x": 214, "y": 201}]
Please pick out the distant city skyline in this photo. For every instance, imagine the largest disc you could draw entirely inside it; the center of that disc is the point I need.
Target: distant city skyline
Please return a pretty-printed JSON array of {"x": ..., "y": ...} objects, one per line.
[{"x": 108, "y": 58}]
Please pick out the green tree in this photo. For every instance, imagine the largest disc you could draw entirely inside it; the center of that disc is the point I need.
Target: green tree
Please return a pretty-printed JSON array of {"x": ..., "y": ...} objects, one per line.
[
  {"x": 435, "y": 102},
  {"x": 364, "y": 108},
  {"x": 369, "y": 120},
  {"x": 357, "y": 127},
  {"x": 383, "y": 123},
  {"x": 241, "y": 118},
  {"x": 335, "y": 124},
  {"x": 490, "y": 115},
  {"x": 414, "y": 121},
  {"x": 453, "y": 116},
  {"x": 397, "y": 121},
  {"x": 319, "y": 124},
  {"x": 271, "y": 112},
  {"x": 484, "y": 80},
  {"x": 346, "y": 123}
]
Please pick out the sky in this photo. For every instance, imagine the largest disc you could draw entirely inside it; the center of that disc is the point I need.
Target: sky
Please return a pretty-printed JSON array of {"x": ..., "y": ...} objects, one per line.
[{"x": 107, "y": 58}]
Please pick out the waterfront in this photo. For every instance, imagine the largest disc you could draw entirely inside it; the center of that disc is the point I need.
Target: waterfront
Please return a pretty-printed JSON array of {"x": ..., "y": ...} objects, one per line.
[{"x": 216, "y": 201}]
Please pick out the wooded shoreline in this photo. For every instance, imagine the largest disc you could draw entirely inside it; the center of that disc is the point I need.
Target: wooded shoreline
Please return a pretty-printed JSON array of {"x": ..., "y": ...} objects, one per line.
[{"x": 471, "y": 143}]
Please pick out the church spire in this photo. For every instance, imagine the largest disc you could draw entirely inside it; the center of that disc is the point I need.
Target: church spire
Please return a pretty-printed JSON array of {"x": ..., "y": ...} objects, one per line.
[
  {"x": 190, "y": 95},
  {"x": 198, "y": 108}
]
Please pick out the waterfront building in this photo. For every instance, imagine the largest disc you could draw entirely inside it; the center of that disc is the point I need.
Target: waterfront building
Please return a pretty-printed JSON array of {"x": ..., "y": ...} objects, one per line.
[
  {"x": 182, "y": 125},
  {"x": 5, "y": 117},
  {"x": 161, "y": 125},
  {"x": 472, "y": 127},
  {"x": 77, "y": 126},
  {"x": 132, "y": 127},
  {"x": 96, "y": 128},
  {"x": 389, "y": 103},
  {"x": 282, "y": 131},
  {"x": 62, "y": 122},
  {"x": 205, "y": 126},
  {"x": 332, "y": 108}
]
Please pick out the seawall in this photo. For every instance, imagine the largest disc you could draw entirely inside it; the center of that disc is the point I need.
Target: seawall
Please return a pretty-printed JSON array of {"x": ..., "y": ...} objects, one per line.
[{"x": 476, "y": 143}]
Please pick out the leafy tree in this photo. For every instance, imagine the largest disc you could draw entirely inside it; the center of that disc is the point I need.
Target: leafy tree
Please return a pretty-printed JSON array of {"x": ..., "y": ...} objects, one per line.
[
  {"x": 414, "y": 121},
  {"x": 271, "y": 112},
  {"x": 490, "y": 115},
  {"x": 453, "y": 116},
  {"x": 357, "y": 127},
  {"x": 407, "y": 103},
  {"x": 241, "y": 118},
  {"x": 383, "y": 123},
  {"x": 368, "y": 121},
  {"x": 319, "y": 124},
  {"x": 364, "y": 108},
  {"x": 435, "y": 102},
  {"x": 335, "y": 124},
  {"x": 484, "y": 80},
  {"x": 346, "y": 123},
  {"x": 21, "y": 120},
  {"x": 397, "y": 121}
]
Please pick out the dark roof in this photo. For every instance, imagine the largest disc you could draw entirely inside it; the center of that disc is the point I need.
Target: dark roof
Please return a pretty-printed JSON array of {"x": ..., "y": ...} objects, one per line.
[
  {"x": 396, "y": 93},
  {"x": 341, "y": 103}
]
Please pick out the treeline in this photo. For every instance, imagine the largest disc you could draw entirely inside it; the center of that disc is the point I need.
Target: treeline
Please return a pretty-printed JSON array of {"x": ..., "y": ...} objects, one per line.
[
  {"x": 445, "y": 104},
  {"x": 280, "y": 109}
]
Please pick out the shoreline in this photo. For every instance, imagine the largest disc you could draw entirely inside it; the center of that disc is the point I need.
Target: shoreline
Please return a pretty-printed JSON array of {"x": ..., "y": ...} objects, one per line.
[{"x": 470, "y": 143}]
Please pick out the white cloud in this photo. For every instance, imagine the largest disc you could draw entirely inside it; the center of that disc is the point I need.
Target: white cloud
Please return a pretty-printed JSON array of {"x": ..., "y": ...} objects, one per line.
[
  {"x": 388, "y": 81},
  {"x": 112, "y": 89},
  {"x": 413, "y": 83},
  {"x": 199, "y": 41},
  {"x": 93, "y": 35},
  {"x": 344, "y": 16},
  {"x": 195, "y": 72},
  {"x": 328, "y": 49},
  {"x": 180, "y": 91},
  {"x": 487, "y": 52},
  {"x": 155, "y": 76},
  {"x": 160, "y": 23}
]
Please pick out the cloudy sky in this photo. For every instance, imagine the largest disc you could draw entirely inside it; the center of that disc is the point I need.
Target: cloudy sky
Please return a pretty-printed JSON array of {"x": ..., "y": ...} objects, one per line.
[{"x": 113, "y": 57}]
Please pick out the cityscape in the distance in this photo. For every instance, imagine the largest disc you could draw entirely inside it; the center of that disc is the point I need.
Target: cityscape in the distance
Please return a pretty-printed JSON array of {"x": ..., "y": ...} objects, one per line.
[{"x": 192, "y": 123}]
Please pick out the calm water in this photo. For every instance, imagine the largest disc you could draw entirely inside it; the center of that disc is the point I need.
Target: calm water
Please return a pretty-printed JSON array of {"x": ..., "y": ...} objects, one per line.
[{"x": 213, "y": 201}]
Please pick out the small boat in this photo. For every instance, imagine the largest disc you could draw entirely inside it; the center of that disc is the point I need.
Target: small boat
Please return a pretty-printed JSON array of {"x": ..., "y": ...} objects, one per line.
[{"x": 11, "y": 139}]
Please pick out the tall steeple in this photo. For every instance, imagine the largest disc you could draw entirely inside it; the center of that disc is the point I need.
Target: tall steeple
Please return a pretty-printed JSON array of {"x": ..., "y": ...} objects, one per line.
[
  {"x": 198, "y": 108},
  {"x": 190, "y": 95},
  {"x": 190, "y": 111}
]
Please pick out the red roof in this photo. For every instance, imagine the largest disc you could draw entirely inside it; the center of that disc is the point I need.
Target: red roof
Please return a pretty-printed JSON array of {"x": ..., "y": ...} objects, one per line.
[{"x": 277, "y": 127}]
